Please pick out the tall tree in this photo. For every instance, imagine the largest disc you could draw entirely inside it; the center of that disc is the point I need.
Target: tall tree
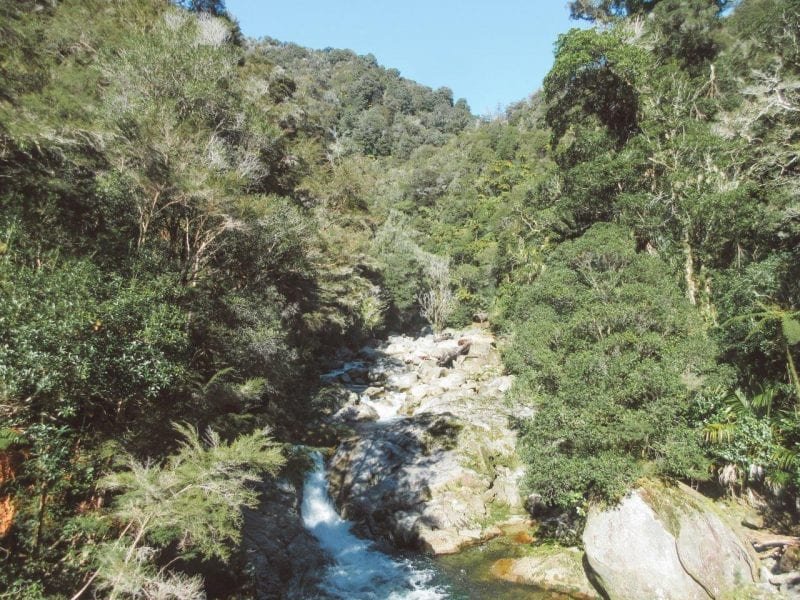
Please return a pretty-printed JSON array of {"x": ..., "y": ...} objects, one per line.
[
  {"x": 214, "y": 7},
  {"x": 607, "y": 10}
]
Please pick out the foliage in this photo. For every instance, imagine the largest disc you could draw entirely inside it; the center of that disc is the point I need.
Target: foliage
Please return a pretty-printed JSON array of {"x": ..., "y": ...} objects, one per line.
[
  {"x": 190, "y": 224},
  {"x": 437, "y": 302},
  {"x": 171, "y": 245},
  {"x": 367, "y": 108},
  {"x": 194, "y": 499},
  {"x": 604, "y": 10},
  {"x": 595, "y": 73},
  {"x": 672, "y": 156},
  {"x": 610, "y": 355}
]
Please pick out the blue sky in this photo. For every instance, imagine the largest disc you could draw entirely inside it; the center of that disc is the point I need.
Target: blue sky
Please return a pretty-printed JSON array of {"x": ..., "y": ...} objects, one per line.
[{"x": 490, "y": 54}]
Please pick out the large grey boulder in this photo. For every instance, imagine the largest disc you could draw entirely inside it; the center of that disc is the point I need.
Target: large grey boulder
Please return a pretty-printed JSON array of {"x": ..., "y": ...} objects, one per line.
[
  {"x": 400, "y": 481},
  {"x": 667, "y": 543}
]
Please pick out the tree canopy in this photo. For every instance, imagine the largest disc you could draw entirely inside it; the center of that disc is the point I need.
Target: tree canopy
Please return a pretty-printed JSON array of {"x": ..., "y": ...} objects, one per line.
[{"x": 192, "y": 224}]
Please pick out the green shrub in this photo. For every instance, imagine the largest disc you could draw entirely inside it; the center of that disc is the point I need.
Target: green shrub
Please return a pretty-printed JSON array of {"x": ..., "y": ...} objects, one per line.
[{"x": 610, "y": 355}]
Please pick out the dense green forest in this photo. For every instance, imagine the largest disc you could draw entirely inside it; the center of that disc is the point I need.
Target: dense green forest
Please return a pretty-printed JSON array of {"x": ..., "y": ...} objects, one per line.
[{"x": 192, "y": 223}]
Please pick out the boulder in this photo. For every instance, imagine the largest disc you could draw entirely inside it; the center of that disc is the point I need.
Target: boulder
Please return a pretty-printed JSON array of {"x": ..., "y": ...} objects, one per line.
[
  {"x": 669, "y": 543},
  {"x": 753, "y": 521},
  {"x": 402, "y": 381},
  {"x": 422, "y": 390},
  {"x": 559, "y": 571},
  {"x": 451, "y": 381},
  {"x": 353, "y": 413},
  {"x": 448, "y": 541},
  {"x": 374, "y": 391},
  {"x": 422, "y": 480},
  {"x": 790, "y": 560},
  {"x": 428, "y": 371}
]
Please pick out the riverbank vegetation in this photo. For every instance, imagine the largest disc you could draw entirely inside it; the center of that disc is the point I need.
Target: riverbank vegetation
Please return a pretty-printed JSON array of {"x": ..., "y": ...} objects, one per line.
[{"x": 191, "y": 223}]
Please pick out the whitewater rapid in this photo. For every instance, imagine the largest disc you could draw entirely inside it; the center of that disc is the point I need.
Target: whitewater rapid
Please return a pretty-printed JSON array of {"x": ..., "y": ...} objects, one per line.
[{"x": 359, "y": 571}]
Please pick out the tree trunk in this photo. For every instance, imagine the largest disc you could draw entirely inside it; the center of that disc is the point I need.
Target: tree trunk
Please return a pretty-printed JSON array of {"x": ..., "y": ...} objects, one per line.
[
  {"x": 40, "y": 519},
  {"x": 691, "y": 282},
  {"x": 792, "y": 370}
]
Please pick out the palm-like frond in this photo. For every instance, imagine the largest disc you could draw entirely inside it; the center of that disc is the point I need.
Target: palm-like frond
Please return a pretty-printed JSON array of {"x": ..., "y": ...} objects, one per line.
[
  {"x": 718, "y": 433},
  {"x": 787, "y": 459},
  {"x": 789, "y": 320}
]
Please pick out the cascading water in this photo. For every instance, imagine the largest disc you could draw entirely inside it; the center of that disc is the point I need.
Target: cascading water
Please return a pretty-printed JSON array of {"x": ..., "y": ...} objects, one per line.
[{"x": 359, "y": 570}]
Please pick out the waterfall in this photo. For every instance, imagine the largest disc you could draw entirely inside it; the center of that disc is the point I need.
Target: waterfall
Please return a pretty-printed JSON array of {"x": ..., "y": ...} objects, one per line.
[{"x": 359, "y": 571}]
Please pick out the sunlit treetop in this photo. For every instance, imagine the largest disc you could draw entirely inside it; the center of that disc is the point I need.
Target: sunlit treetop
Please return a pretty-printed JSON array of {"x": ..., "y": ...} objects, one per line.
[{"x": 607, "y": 10}]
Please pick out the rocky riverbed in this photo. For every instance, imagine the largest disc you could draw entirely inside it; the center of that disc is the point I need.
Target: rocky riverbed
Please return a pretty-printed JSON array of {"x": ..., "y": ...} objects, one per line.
[
  {"x": 426, "y": 461},
  {"x": 432, "y": 463}
]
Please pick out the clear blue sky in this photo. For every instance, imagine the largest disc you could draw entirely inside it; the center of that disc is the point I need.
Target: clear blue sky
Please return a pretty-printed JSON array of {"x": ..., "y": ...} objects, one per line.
[{"x": 489, "y": 53}]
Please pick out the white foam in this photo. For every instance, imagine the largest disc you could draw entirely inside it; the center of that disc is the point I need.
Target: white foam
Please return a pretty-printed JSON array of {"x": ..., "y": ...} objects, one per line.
[
  {"x": 359, "y": 570},
  {"x": 388, "y": 406}
]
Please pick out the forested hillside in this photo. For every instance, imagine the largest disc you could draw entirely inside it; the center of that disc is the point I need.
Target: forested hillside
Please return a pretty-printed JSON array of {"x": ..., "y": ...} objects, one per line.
[{"x": 192, "y": 223}]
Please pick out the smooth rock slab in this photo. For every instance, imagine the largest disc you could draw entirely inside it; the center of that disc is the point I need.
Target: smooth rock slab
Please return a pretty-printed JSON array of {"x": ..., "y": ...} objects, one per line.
[
  {"x": 405, "y": 482},
  {"x": 712, "y": 554},
  {"x": 666, "y": 543},
  {"x": 559, "y": 571}
]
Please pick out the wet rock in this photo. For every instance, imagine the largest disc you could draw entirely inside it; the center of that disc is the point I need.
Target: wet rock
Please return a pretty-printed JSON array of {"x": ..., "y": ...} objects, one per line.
[
  {"x": 284, "y": 557},
  {"x": 368, "y": 353},
  {"x": 353, "y": 413},
  {"x": 359, "y": 375},
  {"x": 405, "y": 483},
  {"x": 558, "y": 571}
]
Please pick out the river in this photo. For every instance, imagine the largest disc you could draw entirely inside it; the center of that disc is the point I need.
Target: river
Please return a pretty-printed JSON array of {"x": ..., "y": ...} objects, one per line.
[{"x": 359, "y": 570}]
